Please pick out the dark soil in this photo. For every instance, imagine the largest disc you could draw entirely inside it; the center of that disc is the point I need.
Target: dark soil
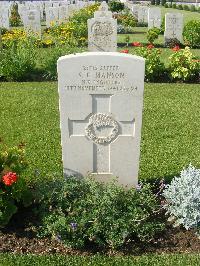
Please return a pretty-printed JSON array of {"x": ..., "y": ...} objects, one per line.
[{"x": 19, "y": 237}]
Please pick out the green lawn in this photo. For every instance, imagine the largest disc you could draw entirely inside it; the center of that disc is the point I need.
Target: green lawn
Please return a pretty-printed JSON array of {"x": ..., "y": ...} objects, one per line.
[
  {"x": 153, "y": 260},
  {"x": 170, "y": 134}
]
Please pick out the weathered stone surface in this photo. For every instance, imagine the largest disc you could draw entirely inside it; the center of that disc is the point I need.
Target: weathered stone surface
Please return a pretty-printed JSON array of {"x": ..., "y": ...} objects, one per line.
[
  {"x": 173, "y": 26},
  {"x": 102, "y": 31},
  {"x": 101, "y": 100}
]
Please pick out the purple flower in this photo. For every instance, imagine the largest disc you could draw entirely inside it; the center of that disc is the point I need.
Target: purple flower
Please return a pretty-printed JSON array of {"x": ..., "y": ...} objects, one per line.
[
  {"x": 73, "y": 226},
  {"x": 139, "y": 187},
  {"x": 58, "y": 238}
]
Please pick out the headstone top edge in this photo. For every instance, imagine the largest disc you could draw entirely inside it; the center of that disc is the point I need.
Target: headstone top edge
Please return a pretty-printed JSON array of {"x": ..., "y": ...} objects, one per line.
[
  {"x": 84, "y": 54},
  {"x": 174, "y": 13}
]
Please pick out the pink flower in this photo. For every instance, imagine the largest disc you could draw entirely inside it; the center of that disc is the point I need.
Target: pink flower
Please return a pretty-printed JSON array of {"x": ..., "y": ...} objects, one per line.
[
  {"x": 150, "y": 46},
  {"x": 126, "y": 51},
  {"x": 9, "y": 178},
  {"x": 137, "y": 44},
  {"x": 176, "y": 48}
]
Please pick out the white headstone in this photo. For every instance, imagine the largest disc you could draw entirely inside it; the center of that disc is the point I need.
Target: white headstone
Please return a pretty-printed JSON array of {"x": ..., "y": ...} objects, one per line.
[
  {"x": 22, "y": 10},
  {"x": 52, "y": 16},
  {"x": 154, "y": 17},
  {"x": 102, "y": 31},
  {"x": 143, "y": 14},
  {"x": 134, "y": 9},
  {"x": 63, "y": 13},
  {"x": 101, "y": 101},
  {"x": 32, "y": 23},
  {"x": 4, "y": 16},
  {"x": 173, "y": 26}
]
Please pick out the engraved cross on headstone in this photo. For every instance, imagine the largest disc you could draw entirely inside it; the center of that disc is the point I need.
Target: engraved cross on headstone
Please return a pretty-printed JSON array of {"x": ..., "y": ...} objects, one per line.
[{"x": 101, "y": 104}]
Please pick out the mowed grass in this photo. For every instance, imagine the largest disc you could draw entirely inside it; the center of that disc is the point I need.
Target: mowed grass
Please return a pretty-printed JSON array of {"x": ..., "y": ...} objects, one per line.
[
  {"x": 29, "y": 113},
  {"x": 170, "y": 133},
  {"x": 153, "y": 260}
]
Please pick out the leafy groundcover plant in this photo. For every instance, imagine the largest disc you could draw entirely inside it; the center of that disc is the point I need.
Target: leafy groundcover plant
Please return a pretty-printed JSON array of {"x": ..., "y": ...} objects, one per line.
[
  {"x": 183, "y": 199},
  {"x": 13, "y": 188},
  {"x": 79, "y": 212}
]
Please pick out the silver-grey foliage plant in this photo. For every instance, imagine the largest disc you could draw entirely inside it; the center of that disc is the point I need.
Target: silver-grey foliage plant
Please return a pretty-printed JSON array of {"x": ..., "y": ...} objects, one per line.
[{"x": 183, "y": 199}]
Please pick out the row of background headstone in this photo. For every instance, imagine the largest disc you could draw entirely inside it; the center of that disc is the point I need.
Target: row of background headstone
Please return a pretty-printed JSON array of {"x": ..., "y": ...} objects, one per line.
[
  {"x": 152, "y": 16},
  {"x": 31, "y": 13},
  {"x": 58, "y": 12}
]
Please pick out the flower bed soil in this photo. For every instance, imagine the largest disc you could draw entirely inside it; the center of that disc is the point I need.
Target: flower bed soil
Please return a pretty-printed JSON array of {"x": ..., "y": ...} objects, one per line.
[{"x": 18, "y": 237}]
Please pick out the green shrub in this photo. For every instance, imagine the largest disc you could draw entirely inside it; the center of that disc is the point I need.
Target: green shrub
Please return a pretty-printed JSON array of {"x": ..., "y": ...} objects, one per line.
[
  {"x": 174, "y": 5},
  {"x": 3, "y": 30},
  {"x": 15, "y": 19},
  {"x": 162, "y": 27},
  {"x": 18, "y": 61},
  {"x": 153, "y": 2},
  {"x": 191, "y": 33},
  {"x": 116, "y": 6},
  {"x": 186, "y": 7},
  {"x": 79, "y": 212},
  {"x": 142, "y": 24},
  {"x": 154, "y": 68},
  {"x": 157, "y": 2},
  {"x": 183, "y": 66},
  {"x": 180, "y": 7},
  {"x": 172, "y": 42},
  {"x": 128, "y": 21},
  {"x": 163, "y": 2},
  {"x": 152, "y": 34},
  {"x": 49, "y": 63},
  {"x": 166, "y": 5},
  {"x": 192, "y": 8},
  {"x": 13, "y": 188}
]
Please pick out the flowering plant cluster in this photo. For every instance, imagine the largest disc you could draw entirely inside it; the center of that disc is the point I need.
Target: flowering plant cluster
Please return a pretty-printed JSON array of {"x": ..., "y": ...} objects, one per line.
[
  {"x": 73, "y": 32},
  {"x": 154, "y": 68},
  {"x": 182, "y": 198},
  {"x": 13, "y": 188},
  {"x": 183, "y": 65}
]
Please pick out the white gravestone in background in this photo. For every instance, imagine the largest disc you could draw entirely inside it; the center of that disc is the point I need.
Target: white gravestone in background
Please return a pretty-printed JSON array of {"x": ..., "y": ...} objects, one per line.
[
  {"x": 101, "y": 101},
  {"x": 143, "y": 14},
  {"x": 154, "y": 17},
  {"x": 22, "y": 10},
  {"x": 52, "y": 16},
  {"x": 134, "y": 10},
  {"x": 63, "y": 13},
  {"x": 102, "y": 31},
  {"x": 33, "y": 24},
  {"x": 4, "y": 17},
  {"x": 173, "y": 26}
]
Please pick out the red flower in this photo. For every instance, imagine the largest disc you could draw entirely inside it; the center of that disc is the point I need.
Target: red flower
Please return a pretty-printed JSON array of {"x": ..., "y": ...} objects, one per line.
[
  {"x": 196, "y": 60},
  {"x": 176, "y": 48},
  {"x": 124, "y": 51},
  {"x": 150, "y": 46},
  {"x": 137, "y": 44},
  {"x": 9, "y": 178}
]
